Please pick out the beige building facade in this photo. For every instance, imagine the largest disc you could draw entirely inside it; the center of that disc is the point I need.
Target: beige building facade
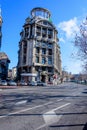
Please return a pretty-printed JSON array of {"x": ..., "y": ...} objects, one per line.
[{"x": 39, "y": 56}]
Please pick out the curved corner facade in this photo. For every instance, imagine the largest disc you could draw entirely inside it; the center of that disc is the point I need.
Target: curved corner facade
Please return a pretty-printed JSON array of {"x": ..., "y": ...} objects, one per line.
[{"x": 39, "y": 52}]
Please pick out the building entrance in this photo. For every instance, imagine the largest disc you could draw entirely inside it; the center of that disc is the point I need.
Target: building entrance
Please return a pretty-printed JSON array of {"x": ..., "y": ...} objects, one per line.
[{"x": 43, "y": 77}]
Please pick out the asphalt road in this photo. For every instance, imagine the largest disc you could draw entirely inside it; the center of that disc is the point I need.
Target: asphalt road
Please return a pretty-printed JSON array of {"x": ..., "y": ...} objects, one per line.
[{"x": 62, "y": 107}]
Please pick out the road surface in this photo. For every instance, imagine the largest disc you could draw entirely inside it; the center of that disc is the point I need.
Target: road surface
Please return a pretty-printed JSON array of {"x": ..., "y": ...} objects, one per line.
[{"x": 62, "y": 107}]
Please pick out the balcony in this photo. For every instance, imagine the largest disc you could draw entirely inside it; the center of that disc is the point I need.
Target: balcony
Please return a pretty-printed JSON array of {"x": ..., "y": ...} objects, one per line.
[
  {"x": 37, "y": 44},
  {"x": 50, "y": 46},
  {"x": 38, "y": 37},
  {"x": 44, "y": 45}
]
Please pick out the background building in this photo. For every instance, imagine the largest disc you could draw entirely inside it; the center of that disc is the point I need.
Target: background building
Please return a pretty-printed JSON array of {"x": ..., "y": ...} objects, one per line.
[
  {"x": 9, "y": 74},
  {"x": 4, "y": 60},
  {"x": 14, "y": 73},
  {"x": 4, "y": 64},
  {"x": 39, "y": 51}
]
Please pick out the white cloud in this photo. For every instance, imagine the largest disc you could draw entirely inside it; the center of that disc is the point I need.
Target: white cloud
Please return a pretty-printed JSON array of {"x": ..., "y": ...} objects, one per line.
[
  {"x": 67, "y": 31},
  {"x": 69, "y": 28},
  {"x": 62, "y": 40}
]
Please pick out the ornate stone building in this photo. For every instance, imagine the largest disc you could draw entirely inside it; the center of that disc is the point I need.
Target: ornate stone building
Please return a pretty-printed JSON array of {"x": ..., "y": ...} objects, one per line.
[{"x": 39, "y": 52}]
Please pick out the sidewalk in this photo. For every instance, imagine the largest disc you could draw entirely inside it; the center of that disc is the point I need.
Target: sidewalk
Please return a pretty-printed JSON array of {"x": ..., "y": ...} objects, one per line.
[{"x": 8, "y": 87}]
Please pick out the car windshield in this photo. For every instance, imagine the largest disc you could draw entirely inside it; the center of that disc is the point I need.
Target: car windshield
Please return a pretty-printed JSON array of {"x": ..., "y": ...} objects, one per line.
[{"x": 3, "y": 81}]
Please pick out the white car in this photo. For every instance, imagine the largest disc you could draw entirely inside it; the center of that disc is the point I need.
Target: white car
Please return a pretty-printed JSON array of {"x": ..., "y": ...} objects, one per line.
[
  {"x": 4, "y": 83},
  {"x": 12, "y": 83},
  {"x": 33, "y": 83}
]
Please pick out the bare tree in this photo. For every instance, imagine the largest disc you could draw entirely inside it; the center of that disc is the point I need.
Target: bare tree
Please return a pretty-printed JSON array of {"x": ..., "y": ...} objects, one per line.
[{"x": 81, "y": 43}]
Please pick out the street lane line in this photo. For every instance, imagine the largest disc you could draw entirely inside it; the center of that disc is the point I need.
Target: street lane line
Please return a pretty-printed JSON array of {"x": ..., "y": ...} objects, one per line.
[
  {"x": 61, "y": 107},
  {"x": 76, "y": 94},
  {"x": 24, "y": 110},
  {"x": 40, "y": 127},
  {"x": 21, "y": 102},
  {"x": 59, "y": 100},
  {"x": 50, "y": 117},
  {"x": 17, "y": 112}
]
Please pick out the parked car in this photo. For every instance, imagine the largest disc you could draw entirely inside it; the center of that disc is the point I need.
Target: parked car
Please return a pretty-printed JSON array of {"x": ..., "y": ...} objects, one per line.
[
  {"x": 23, "y": 83},
  {"x": 32, "y": 83},
  {"x": 40, "y": 83},
  {"x": 3, "y": 82},
  {"x": 12, "y": 83}
]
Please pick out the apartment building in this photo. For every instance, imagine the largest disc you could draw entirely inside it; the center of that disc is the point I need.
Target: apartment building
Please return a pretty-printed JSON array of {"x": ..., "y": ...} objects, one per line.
[{"x": 39, "y": 56}]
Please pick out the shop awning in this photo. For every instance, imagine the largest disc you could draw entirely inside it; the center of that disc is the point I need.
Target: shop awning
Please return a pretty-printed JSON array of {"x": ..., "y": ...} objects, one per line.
[{"x": 29, "y": 74}]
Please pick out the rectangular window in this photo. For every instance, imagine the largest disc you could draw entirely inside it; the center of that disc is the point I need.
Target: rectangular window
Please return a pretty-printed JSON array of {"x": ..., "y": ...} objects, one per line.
[
  {"x": 37, "y": 59},
  {"x": 50, "y": 60},
  {"x": 43, "y": 51},
  {"x": 44, "y": 31},
  {"x": 49, "y": 51},
  {"x": 38, "y": 34},
  {"x": 50, "y": 33},
  {"x": 49, "y": 45},
  {"x": 38, "y": 29},
  {"x": 37, "y": 49},
  {"x": 45, "y": 22},
  {"x": 26, "y": 32},
  {"x": 43, "y": 60},
  {"x": 24, "y": 59},
  {"x": 44, "y": 44}
]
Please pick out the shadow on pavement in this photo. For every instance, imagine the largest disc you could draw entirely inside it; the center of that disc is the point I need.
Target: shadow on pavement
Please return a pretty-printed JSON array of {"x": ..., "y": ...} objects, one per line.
[
  {"x": 85, "y": 127},
  {"x": 72, "y": 125}
]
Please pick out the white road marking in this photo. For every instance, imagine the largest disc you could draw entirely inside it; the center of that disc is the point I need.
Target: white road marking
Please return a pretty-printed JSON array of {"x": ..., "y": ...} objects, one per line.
[
  {"x": 76, "y": 94},
  {"x": 21, "y": 102},
  {"x": 25, "y": 101},
  {"x": 59, "y": 100},
  {"x": 61, "y": 106},
  {"x": 50, "y": 117},
  {"x": 17, "y": 112},
  {"x": 49, "y": 120},
  {"x": 40, "y": 127}
]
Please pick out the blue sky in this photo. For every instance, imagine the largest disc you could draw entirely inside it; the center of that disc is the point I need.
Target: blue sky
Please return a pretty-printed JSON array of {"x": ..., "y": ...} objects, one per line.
[{"x": 66, "y": 15}]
